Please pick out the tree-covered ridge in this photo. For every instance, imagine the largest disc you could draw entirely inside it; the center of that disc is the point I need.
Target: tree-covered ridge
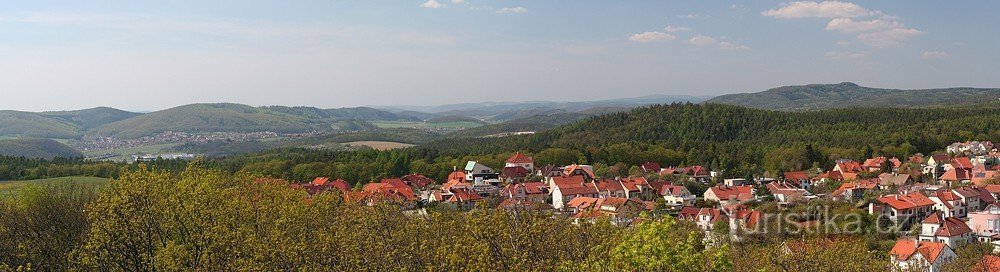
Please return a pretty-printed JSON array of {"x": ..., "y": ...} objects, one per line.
[
  {"x": 228, "y": 117},
  {"x": 36, "y": 148},
  {"x": 58, "y": 124},
  {"x": 732, "y": 137},
  {"x": 845, "y": 95}
]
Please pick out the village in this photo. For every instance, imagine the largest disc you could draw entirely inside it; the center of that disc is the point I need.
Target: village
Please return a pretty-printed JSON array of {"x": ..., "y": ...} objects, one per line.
[{"x": 935, "y": 203}]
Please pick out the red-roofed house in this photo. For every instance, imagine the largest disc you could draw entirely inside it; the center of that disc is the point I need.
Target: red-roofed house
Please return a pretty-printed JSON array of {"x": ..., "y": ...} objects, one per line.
[
  {"x": 853, "y": 190},
  {"x": 391, "y": 187},
  {"x": 586, "y": 171},
  {"x": 513, "y": 174},
  {"x": 463, "y": 198},
  {"x": 697, "y": 173},
  {"x": 948, "y": 203},
  {"x": 566, "y": 188},
  {"x": 948, "y": 230},
  {"x": 875, "y": 164},
  {"x": 417, "y": 180},
  {"x": 910, "y": 253},
  {"x": 847, "y": 166},
  {"x": 729, "y": 194},
  {"x": 650, "y": 167},
  {"x": 800, "y": 178},
  {"x": 534, "y": 192},
  {"x": 903, "y": 210},
  {"x": 675, "y": 195},
  {"x": 786, "y": 193},
  {"x": 521, "y": 160}
]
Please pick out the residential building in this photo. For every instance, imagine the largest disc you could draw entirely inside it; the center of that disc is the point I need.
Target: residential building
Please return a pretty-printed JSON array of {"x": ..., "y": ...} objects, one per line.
[
  {"x": 480, "y": 174},
  {"x": 948, "y": 230},
  {"x": 566, "y": 188},
  {"x": 521, "y": 160},
  {"x": 729, "y": 194},
  {"x": 903, "y": 210},
  {"x": 913, "y": 254}
]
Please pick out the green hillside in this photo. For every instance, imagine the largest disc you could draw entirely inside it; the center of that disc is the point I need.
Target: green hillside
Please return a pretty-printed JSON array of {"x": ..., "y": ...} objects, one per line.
[
  {"x": 87, "y": 119},
  {"x": 228, "y": 117},
  {"x": 210, "y": 118},
  {"x": 533, "y": 123},
  {"x": 844, "y": 95},
  {"x": 37, "y": 148},
  {"x": 19, "y": 123}
]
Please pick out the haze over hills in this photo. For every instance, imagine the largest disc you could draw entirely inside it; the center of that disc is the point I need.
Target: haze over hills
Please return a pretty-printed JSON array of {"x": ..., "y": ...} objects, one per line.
[
  {"x": 846, "y": 94},
  {"x": 503, "y": 111}
]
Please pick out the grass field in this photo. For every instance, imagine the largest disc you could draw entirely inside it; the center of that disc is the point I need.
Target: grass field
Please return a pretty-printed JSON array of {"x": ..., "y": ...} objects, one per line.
[
  {"x": 125, "y": 153},
  {"x": 379, "y": 144},
  {"x": 425, "y": 125},
  {"x": 10, "y": 187}
]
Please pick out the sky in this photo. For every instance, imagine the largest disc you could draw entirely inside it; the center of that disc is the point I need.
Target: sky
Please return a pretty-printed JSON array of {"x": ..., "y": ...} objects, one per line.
[{"x": 150, "y": 55}]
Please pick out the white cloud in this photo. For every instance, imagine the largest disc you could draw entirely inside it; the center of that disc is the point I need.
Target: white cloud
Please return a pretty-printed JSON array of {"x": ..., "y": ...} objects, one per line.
[
  {"x": 825, "y": 9},
  {"x": 702, "y": 40},
  {"x": 433, "y": 4},
  {"x": 673, "y": 29},
  {"x": 732, "y": 46},
  {"x": 689, "y": 16},
  {"x": 848, "y": 25},
  {"x": 889, "y": 38},
  {"x": 513, "y": 10},
  {"x": 879, "y": 30},
  {"x": 650, "y": 36},
  {"x": 935, "y": 55},
  {"x": 846, "y": 55},
  {"x": 458, "y": 1}
]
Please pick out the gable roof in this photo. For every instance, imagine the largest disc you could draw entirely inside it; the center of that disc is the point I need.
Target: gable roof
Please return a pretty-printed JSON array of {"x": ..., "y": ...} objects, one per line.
[
  {"x": 740, "y": 193},
  {"x": 796, "y": 176},
  {"x": 417, "y": 180},
  {"x": 688, "y": 213},
  {"x": 907, "y": 201},
  {"x": 962, "y": 163},
  {"x": 956, "y": 174},
  {"x": 952, "y": 226},
  {"x": 650, "y": 167},
  {"x": 514, "y": 172},
  {"x": 906, "y": 248},
  {"x": 569, "y": 170},
  {"x": 535, "y": 188},
  {"x": 520, "y": 158}
]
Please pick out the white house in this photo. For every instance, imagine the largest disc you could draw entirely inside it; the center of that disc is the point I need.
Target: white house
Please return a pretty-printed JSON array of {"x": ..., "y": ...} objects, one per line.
[
  {"x": 948, "y": 230},
  {"x": 909, "y": 254}
]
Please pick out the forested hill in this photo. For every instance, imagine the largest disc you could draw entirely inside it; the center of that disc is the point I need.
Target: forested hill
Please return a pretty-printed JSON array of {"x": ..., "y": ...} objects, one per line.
[
  {"x": 228, "y": 117},
  {"x": 844, "y": 95},
  {"x": 58, "y": 124},
  {"x": 37, "y": 148},
  {"x": 733, "y": 137}
]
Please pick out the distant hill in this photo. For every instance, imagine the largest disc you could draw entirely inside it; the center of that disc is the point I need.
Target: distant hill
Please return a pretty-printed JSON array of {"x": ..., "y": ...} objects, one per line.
[
  {"x": 532, "y": 123},
  {"x": 91, "y": 118},
  {"x": 843, "y": 95},
  {"x": 30, "y": 124},
  {"x": 228, "y": 117},
  {"x": 504, "y": 111},
  {"x": 454, "y": 118},
  {"x": 37, "y": 148},
  {"x": 58, "y": 124}
]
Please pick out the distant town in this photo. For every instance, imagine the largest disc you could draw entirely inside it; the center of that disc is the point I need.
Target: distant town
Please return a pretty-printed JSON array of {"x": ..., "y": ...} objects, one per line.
[{"x": 934, "y": 202}]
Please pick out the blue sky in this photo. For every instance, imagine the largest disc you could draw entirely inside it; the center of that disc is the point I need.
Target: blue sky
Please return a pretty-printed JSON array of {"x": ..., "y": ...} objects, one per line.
[{"x": 141, "y": 55}]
